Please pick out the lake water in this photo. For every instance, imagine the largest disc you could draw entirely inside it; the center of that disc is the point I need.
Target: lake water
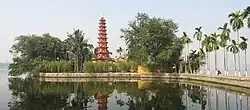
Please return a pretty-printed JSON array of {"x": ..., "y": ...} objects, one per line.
[{"x": 32, "y": 94}]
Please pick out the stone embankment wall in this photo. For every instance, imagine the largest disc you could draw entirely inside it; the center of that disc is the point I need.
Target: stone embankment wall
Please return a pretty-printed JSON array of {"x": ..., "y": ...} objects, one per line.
[{"x": 219, "y": 79}]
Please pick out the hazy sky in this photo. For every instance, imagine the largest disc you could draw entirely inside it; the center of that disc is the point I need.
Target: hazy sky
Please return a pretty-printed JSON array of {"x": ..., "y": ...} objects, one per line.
[{"x": 60, "y": 16}]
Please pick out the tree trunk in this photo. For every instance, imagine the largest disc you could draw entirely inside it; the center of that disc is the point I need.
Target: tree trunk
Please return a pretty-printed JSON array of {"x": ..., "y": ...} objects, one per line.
[
  {"x": 180, "y": 67},
  {"x": 185, "y": 59},
  {"x": 225, "y": 61},
  {"x": 217, "y": 100},
  {"x": 238, "y": 39},
  {"x": 235, "y": 65},
  {"x": 240, "y": 102},
  {"x": 209, "y": 99},
  {"x": 215, "y": 61},
  {"x": 247, "y": 104},
  {"x": 237, "y": 106},
  {"x": 207, "y": 63},
  {"x": 246, "y": 63},
  {"x": 226, "y": 101},
  {"x": 199, "y": 70},
  {"x": 189, "y": 67},
  {"x": 80, "y": 64}
]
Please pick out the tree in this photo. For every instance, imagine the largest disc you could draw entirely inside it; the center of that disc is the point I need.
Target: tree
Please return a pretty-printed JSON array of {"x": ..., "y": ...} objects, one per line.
[
  {"x": 234, "y": 49},
  {"x": 243, "y": 47},
  {"x": 247, "y": 15},
  {"x": 31, "y": 49},
  {"x": 236, "y": 21},
  {"x": 196, "y": 59},
  {"x": 186, "y": 40},
  {"x": 224, "y": 38},
  {"x": 198, "y": 35},
  {"x": 79, "y": 48},
  {"x": 215, "y": 47},
  {"x": 119, "y": 51},
  {"x": 207, "y": 44},
  {"x": 151, "y": 39}
]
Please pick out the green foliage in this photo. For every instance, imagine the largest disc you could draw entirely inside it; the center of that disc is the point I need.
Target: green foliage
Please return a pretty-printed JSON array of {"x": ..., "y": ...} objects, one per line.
[
  {"x": 247, "y": 15},
  {"x": 196, "y": 59},
  {"x": 198, "y": 33},
  {"x": 225, "y": 35},
  {"x": 214, "y": 41},
  {"x": 122, "y": 67},
  {"x": 185, "y": 38},
  {"x": 236, "y": 20},
  {"x": 79, "y": 48},
  {"x": 151, "y": 39},
  {"x": 89, "y": 67},
  {"x": 119, "y": 51},
  {"x": 243, "y": 44},
  {"x": 31, "y": 50},
  {"x": 233, "y": 47},
  {"x": 20, "y": 66},
  {"x": 207, "y": 43},
  {"x": 61, "y": 66},
  {"x": 44, "y": 47},
  {"x": 105, "y": 66}
]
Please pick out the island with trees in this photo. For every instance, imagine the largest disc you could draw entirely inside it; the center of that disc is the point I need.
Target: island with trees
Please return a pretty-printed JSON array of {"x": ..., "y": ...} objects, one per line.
[{"x": 150, "y": 42}]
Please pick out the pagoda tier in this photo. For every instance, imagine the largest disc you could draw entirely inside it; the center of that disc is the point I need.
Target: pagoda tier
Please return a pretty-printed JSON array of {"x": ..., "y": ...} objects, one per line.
[
  {"x": 102, "y": 26},
  {"x": 101, "y": 38},
  {"x": 102, "y": 51},
  {"x": 102, "y": 43}
]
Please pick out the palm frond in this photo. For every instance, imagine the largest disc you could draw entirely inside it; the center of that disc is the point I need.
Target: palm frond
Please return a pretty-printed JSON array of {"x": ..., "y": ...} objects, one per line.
[
  {"x": 234, "y": 42},
  {"x": 184, "y": 34},
  {"x": 219, "y": 28},
  {"x": 225, "y": 25},
  {"x": 248, "y": 22},
  {"x": 243, "y": 38}
]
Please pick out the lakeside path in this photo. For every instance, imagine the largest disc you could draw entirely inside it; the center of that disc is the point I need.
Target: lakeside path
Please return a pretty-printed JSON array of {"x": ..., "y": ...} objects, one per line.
[{"x": 243, "y": 82}]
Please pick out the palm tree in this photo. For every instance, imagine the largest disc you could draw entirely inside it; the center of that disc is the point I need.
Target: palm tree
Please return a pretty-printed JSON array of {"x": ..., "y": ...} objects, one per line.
[
  {"x": 80, "y": 48},
  {"x": 215, "y": 47},
  {"x": 202, "y": 56},
  {"x": 198, "y": 35},
  {"x": 186, "y": 40},
  {"x": 119, "y": 51},
  {"x": 207, "y": 44},
  {"x": 247, "y": 15},
  {"x": 236, "y": 21},
  {"x": 224, "y": 37},
  {"x": 196, "y": 59},
  {"x": 243, "y": 47},
  {"x": 234, "y": 49}
]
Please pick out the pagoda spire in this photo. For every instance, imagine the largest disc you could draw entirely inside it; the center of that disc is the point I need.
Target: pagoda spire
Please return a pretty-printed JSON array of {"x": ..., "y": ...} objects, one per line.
[{"x": 102, "y": 52}]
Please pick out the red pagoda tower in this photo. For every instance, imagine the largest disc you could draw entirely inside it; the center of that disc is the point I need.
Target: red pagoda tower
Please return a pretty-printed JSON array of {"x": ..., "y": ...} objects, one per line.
[{"x": 102, "y": 52}]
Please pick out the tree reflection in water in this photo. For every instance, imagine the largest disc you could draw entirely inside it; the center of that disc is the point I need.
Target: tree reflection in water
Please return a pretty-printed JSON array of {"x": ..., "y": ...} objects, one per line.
[{"x": 30, "y": 94}]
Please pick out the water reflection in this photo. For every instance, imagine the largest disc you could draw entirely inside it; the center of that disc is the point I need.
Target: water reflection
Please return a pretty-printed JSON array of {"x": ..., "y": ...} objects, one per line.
[{"x": 31, "y": 94}]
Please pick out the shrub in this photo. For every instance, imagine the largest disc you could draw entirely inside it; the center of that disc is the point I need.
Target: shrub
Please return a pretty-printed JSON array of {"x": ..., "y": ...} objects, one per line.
[
  {"x": 122, "y": 67},
  {"x": 105, "y": 66},
  {"x": 89, "y": 67},
  {"x": 55, "y": 66}
]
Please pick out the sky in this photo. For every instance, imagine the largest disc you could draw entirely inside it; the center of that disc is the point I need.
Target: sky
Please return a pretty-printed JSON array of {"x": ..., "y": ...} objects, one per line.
[{"x": 57, "y": 17}]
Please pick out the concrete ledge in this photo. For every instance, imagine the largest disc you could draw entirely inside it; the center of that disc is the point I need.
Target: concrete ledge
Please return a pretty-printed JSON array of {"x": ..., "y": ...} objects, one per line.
[{"x": 219, "y": 79}]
